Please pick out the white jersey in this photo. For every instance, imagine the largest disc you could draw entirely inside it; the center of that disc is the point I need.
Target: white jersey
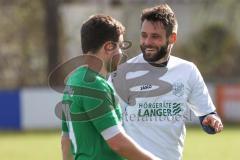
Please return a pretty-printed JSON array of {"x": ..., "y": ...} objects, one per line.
[{"x": 156, "y": 103}]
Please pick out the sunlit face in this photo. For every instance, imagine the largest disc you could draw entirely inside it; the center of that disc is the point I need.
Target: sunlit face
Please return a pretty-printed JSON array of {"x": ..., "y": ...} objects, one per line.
[
  {"x": 153, "y": 41},
  {"x": 116, "y": 56}
]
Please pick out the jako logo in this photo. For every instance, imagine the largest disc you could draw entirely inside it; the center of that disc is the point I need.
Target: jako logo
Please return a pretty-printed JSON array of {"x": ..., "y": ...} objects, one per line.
[{"x": 146, "y": 86}]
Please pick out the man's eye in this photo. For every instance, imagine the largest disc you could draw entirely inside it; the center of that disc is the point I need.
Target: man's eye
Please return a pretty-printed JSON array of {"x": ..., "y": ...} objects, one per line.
[
  {"x": 155, "y": 36},
  {"x": 144, "y": 36}
]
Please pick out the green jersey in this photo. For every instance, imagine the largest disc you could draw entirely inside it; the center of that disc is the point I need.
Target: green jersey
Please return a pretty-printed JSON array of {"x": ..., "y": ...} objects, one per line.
[{"x": 93, "y": 109}]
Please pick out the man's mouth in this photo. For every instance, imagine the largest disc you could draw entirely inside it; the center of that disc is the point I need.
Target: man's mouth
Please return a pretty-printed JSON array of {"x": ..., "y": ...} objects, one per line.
[{"x": 150, "y": 50}]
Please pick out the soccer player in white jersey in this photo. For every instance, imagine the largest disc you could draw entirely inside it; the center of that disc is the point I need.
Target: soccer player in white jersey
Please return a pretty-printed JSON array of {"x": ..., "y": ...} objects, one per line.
[{"x": 157, "y": 89}]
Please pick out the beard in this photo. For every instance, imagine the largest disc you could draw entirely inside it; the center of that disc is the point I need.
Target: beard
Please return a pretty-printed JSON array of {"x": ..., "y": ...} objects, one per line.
[{"x": 160, "y": 53}]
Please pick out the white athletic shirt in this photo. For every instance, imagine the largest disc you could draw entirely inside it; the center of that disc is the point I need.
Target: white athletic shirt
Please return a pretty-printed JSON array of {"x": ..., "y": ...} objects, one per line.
[{"x": 156, "y": 102}]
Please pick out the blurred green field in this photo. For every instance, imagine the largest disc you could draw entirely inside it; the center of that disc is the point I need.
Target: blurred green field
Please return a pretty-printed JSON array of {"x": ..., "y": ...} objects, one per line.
[
  {"x": 39, "y": 145},
  {"x": 223, "y": 146}
]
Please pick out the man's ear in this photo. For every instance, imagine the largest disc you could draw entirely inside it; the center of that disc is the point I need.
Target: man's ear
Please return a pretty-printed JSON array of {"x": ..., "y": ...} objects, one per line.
[
  {"x": 109, "y": 46},
  {"x": 172, "y": 38}
]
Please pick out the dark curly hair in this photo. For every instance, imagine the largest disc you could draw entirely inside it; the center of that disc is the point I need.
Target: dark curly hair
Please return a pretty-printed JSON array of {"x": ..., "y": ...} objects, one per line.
[{"x": 162, "y": 13}]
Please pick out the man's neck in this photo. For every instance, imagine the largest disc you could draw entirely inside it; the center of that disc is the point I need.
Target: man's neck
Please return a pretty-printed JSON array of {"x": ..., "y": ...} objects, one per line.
[
  {"x": 97, "y": 64},
  {"x": 163, "y": 60},
  {"x": 103, "y": 70}
]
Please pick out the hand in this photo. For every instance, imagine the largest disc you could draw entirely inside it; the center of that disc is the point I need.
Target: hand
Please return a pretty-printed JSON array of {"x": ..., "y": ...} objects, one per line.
[{"x": 214, "y": 121}]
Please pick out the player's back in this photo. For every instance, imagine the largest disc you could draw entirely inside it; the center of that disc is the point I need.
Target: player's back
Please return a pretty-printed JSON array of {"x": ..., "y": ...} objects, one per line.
[{"x": 90, "y": 97}]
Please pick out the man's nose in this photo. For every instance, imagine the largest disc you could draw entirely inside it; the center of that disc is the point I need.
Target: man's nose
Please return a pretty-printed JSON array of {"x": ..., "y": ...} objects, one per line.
[{"x": 148, "y": 41}]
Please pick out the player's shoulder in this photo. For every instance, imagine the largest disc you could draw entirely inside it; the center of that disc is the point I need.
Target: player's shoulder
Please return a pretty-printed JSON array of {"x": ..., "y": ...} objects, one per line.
[
  {"x": 127, "y": 66},
  {"x": 131, "y": 62},
  {"x": 84, "y": 77},
  {"x": 176, "y": 61},
  {"x": 179, "y": 60},
  {"x": 180, "y": 65},
  {"x": 137, "y": 59}
]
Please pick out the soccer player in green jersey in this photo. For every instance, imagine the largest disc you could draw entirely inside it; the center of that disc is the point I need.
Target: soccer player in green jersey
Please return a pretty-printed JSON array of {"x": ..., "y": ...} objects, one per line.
[{"x": 92, "y": 125}]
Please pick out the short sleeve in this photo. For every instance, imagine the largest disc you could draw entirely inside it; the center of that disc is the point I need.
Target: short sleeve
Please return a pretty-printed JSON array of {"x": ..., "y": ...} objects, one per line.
[
  {"x": 101, "y": 112},
  {"x": 199, "y": 98},
  {"x": 64, "y": 119}
]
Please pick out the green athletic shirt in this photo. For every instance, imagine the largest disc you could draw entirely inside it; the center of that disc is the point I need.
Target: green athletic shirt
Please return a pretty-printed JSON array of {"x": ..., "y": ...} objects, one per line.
[{"x": 93, "y": 109}]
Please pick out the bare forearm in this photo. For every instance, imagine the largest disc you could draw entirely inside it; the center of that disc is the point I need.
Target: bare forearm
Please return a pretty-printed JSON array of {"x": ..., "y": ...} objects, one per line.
[
  {"x": 132, "y": 152},
  {"x": 66, "y": 150},
  {"x": 127, "y": 148}
]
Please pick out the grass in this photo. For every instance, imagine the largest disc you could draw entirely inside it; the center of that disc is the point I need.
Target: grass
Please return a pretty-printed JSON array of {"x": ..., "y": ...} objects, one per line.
[
  {"x": 223, "y": 146},
  {"x": 40, "y": 145},
  {"x": 30, "y": 146}
]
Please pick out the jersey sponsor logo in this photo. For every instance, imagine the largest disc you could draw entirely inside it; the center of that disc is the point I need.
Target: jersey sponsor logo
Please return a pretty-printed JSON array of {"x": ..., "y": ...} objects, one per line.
[
  {"x": 123, "y": 85},
  {"x": 178, "y": 89},
  {"x": 159, "y": 109},
  {"x": 147, "y": 86}
]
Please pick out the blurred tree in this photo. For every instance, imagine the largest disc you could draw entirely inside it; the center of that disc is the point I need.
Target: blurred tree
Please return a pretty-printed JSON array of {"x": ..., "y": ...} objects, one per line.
[
  {"x": 215, "y": 50},
  {"x": 115, "y": 2},
  {"x": 22, "y": 54},
  {"x": 52, "y": 32},
  {"x": 29, "y": 41}
]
